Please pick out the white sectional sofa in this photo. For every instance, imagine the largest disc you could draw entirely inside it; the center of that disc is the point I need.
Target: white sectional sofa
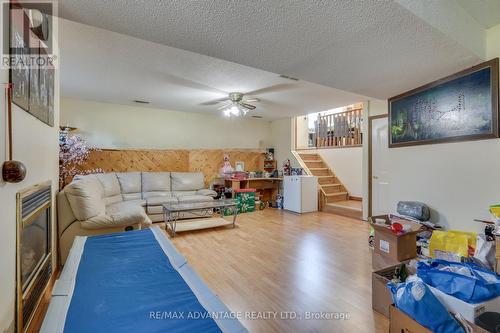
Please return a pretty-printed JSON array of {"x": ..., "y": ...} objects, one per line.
[{"x": 112, "y": 202}]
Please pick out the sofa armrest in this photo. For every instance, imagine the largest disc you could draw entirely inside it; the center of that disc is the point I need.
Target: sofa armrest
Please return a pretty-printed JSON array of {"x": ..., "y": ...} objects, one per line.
[{"x": 207, "y": 192}]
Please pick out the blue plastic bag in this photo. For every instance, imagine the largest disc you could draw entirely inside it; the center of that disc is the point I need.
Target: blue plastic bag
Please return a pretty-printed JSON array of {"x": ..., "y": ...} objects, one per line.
[
  {"x": 477, "y": 286},
  {"x": 416, "y": 300}
]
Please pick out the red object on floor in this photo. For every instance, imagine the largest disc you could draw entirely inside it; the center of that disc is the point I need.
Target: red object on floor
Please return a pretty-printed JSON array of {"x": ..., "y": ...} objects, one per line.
[{"x": 244, "y": 190}]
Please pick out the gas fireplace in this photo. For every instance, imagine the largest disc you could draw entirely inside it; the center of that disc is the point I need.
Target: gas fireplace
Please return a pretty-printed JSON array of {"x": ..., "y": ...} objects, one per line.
[{"x": 34, "y": 256}]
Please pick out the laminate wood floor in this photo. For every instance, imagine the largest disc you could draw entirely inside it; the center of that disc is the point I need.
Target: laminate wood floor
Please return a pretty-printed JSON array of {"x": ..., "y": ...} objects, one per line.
[
  {"x": 279, "y": 262},
  {"x": 292, "y": 265}
]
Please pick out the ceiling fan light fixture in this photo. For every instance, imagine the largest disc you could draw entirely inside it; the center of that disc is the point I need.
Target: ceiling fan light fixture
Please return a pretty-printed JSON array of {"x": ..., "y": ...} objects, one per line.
[{"x": 234, "y": 109}]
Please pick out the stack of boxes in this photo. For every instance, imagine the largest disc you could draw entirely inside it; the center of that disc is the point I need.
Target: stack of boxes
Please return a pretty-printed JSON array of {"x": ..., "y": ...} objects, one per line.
[
  {"x": 245, "y": 200},
  {"x": 390, "y": 251}
]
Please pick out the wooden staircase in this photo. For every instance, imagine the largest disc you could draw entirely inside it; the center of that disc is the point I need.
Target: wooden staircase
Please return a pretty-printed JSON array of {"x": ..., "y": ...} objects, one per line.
[{"x": 333, "y": 196}]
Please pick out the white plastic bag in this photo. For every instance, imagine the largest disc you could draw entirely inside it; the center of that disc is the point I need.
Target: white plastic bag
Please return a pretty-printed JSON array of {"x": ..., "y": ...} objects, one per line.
[{"x": 485, "y": 251}]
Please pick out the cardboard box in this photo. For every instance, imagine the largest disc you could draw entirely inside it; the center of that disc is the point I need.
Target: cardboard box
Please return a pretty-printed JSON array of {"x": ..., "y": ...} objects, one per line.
[
  {"x": 400, "y": 322},
  {"x": 467, "y": 310},
  {"x": 379, "y": 261},
  {"x": 397, "y": 248},
  {"x": 381, "y": 296}
]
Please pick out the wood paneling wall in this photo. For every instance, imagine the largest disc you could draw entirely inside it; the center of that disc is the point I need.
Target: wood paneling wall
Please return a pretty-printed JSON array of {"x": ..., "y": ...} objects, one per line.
[{"x": 208, "y": 161}]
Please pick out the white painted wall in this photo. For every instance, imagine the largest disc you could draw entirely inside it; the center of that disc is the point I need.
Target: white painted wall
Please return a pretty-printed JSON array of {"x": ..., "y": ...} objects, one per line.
[
  {"x": 347, "y": 164},
  {"x": 281, "y": 139},
  {"x": 457, "y": 180},
  {"x": 493, "y": 42},
  {"x": 36, "y": 145},
  {"x": 302, "y": 132},
  {"x": 107, "y": 125}
]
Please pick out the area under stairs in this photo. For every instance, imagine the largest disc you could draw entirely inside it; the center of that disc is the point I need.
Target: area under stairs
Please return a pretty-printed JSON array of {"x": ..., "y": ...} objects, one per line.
[{"x": 334, "y": 197}]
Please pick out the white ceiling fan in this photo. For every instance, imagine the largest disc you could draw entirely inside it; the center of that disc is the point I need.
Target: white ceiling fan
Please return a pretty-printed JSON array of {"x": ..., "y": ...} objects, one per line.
[{"x": 238, "y": 103}]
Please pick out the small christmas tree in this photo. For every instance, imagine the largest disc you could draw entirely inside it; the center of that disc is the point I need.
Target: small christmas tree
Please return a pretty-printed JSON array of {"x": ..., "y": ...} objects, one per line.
[{"x": 73, "y": 152}]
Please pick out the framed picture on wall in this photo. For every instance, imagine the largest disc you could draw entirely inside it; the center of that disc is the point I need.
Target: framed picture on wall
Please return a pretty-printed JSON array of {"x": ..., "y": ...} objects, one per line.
[
  {"x": 20, "y": 70},
  {"x": 460, "y": 107},
  {"x": 32, "y": 78},
  {"x": 46, "y": 86},
  {"x": 239, "y": 166}
]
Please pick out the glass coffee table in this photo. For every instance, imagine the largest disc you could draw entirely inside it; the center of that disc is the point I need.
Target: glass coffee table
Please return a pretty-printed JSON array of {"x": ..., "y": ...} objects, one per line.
[{"x": 173, "y": 212}]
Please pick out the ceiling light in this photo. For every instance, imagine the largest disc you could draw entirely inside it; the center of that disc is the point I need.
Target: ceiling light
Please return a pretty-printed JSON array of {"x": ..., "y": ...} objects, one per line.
[
  {"x": 234, "y": 109},
  {"x": 140, "y": 102}
]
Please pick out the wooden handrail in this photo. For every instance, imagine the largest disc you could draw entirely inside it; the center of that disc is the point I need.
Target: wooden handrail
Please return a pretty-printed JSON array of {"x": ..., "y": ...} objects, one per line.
[{"x": 341, "y": 129}]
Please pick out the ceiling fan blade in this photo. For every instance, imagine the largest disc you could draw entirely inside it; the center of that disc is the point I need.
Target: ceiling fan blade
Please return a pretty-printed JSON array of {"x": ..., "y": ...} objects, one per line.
[
  {"x": 215, "y": 101},
  {"x": 269, "y": 104},
  {"x": 180, "y": 81},
  {"x": 248, "y": 106},
  {"x": 251, "y": 100},
  {"x": 224, "y": 105},
  {"x": 275, "y": 88}
]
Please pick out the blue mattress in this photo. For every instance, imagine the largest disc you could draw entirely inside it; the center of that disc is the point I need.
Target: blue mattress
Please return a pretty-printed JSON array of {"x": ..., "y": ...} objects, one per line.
[{"x": 134, "y": 282}]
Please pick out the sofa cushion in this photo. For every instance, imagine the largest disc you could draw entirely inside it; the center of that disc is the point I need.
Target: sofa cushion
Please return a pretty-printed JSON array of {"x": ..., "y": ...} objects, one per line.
[
  {"x": 155, "y": 184},
  {"x": 138, "y": 202},
  {"x": 85, "y": 198},
  {"x": 98, "y": 222},
  {"x": 130, "y": 184},
  {"x": 111, "y": 186},
  {"x": 154, "y": 204},
  {"x": 183, "y": 193},
  {"x": 194, "y": 198},
  {"x": 187, "y": 181},
  {"x": 207, "y": 192},
  {"x": 158, "y": 201},
  {"x": 127, "y": 213},
  {"x": 118, "y": 214}
]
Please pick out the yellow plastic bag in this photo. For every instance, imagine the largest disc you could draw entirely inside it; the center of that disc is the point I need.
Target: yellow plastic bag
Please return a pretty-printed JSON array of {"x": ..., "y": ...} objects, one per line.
[{"x": 459, "y": 243}]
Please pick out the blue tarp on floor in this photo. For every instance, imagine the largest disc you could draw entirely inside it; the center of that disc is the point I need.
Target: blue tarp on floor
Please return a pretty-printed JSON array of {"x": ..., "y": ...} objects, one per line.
[{"x": 126, "y": 283}]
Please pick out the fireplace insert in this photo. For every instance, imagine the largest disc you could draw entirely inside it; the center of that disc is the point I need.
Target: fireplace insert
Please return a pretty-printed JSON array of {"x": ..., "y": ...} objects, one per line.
[{"x": 34, "y": 255}]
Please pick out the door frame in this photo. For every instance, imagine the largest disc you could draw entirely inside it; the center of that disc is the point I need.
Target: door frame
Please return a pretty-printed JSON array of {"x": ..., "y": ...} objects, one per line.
[{"x": 370, "y": 162}]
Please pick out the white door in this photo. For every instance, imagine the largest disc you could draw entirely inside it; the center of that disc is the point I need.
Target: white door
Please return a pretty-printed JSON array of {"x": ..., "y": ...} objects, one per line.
[{"x": 380, "y": 175}]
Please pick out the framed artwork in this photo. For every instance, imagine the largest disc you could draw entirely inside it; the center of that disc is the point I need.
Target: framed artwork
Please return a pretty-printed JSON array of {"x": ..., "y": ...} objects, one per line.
[
  {"x": 239, "y": 166},
  {"x": 460, "y": 107},
  {"x": 35, "y": 101},
  {"x": 20, "y": 73},
  {"x": 33, "y": 86},
  {"x": 46, "y": 99}
]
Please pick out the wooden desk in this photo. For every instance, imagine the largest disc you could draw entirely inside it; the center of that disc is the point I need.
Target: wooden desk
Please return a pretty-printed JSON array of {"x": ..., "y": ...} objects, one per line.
[{"x": 268, "y": 187}]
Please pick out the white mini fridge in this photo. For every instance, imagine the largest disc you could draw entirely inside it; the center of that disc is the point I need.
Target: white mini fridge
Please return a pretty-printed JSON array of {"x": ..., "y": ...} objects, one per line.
[{"x": 300, "y": 193}]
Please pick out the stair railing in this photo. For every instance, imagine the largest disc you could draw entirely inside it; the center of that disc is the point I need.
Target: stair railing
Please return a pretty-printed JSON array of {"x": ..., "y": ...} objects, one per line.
[{"x": 339, "y": 129}]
